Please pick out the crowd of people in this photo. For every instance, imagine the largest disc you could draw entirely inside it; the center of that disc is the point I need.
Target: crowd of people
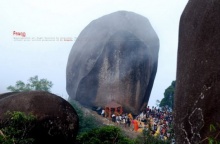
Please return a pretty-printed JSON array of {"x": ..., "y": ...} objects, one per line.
[{"x": 158, "y": 121}]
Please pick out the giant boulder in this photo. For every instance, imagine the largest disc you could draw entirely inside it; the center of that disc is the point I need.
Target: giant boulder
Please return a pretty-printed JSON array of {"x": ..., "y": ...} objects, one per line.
[
  {"x": 114, "y": 58},
  {"x": 57, "y": 121},
  {"x": 197, "y": 101}
]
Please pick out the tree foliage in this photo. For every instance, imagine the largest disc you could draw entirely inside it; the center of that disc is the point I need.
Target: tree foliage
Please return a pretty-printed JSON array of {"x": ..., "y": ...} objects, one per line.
[
  {"x": 104, "y": 135},
  {"x": 15, "y": 128},
  {"x": 114, "y": 135},
  {"x": 147, "y": 138},
  {"x": 34, "y": 84},
  {"x": 214, "y": 134},
  {"x": 168, "y": 96}
]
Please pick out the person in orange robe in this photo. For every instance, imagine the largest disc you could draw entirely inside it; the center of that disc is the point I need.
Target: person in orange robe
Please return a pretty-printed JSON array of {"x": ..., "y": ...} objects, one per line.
[{"x": 135, "y": 125}]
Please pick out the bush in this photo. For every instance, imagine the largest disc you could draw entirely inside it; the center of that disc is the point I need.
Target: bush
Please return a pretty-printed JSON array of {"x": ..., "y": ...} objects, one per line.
[
  {"x": 15, "y": 128},
  {"x": 213, "y": 137},
  {"x": 104, "y": 135},
  {"x": 147, "y": 138}
]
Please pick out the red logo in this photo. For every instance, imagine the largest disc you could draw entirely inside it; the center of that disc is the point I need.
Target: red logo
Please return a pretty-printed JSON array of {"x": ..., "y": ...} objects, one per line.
[{"x": 22, "y": 34}]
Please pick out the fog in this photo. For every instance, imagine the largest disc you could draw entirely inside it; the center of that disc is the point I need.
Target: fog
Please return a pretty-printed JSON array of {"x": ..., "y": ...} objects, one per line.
[{"x": 51, "y": 28}]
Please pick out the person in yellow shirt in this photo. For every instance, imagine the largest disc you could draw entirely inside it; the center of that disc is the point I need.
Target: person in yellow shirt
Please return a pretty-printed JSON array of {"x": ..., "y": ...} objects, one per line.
[
  {"x": 130, "y": 116},
  {"x": 158, "y": 131}
]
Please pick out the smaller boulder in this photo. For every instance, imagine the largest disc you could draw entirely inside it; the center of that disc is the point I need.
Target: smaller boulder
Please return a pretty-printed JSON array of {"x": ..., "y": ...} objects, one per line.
[{"x": 56, "y": 119}]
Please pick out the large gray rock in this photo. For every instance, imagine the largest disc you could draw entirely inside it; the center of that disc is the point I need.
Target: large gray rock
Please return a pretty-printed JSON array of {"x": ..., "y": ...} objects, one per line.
[
  {"x": 57, "y": 121},
  {"x": 114, "y": 58},
  {"x": 197, "y": 101}
]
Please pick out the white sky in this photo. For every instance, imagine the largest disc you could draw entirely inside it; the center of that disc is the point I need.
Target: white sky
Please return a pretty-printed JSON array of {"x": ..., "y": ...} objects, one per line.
[{"x": 20, "y": 60}]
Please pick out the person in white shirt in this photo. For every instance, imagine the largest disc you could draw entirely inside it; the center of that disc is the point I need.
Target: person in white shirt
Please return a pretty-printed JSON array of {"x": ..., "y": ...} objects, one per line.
[{"x": 103, "y": 112}]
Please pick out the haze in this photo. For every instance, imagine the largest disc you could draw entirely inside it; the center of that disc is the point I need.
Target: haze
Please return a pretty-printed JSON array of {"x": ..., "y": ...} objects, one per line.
[{"x": 52, "y": 27}]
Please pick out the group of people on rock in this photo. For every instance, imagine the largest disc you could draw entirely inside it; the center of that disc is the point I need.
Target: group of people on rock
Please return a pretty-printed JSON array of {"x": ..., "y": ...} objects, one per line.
[
  {"x": 124, "y": 119},
  {"x": 158, "y": 121}
]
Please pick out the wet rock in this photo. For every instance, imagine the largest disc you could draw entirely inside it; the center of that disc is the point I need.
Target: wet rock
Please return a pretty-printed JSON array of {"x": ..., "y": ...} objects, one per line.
[
  {"x": 114, "y": 58},
  {"x": 197, "y": 102}
]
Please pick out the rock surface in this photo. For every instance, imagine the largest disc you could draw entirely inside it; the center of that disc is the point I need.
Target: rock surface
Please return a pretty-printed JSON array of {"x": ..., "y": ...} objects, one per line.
[
  {"x": 114, "y": 58},
  {"x": 57, "y": 121},
  {"x": 197, "y": 101}
]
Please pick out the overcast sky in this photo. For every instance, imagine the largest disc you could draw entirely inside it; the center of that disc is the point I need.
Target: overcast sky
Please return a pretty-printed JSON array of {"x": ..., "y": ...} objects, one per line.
[{"x": 56, "y": 20}]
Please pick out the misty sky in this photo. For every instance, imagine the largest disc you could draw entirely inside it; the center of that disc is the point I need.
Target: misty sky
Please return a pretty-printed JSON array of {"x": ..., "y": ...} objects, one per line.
[{"x": 51, "y": 28}]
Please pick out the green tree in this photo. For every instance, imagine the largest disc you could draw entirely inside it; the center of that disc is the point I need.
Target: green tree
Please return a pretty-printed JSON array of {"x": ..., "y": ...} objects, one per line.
[
  {"x": 16, "y": 127},
  {"x": 104, "y": 135},
  {"x": 33, "y": 84},
  {"x": 168, "y": 96},
  {"x": 114, "y": 135},
  {"x": 147, "y": 138}
]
